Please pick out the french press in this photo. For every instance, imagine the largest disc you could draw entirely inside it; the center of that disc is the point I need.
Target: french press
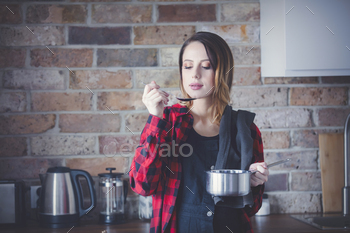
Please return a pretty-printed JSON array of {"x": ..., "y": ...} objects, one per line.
[{"x": 112, "y": 197}]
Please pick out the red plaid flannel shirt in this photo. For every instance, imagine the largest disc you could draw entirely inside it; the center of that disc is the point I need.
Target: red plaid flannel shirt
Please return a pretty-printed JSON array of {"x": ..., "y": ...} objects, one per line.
[{"x": 160, "y": 176}]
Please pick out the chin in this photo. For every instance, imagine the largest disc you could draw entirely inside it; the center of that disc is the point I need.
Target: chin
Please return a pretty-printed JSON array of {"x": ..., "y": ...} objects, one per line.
[{"x": 189, "y": 92}]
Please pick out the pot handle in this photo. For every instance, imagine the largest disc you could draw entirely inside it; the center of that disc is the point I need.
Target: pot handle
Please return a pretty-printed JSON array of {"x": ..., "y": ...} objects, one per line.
[{"x": 75, "y": 176}]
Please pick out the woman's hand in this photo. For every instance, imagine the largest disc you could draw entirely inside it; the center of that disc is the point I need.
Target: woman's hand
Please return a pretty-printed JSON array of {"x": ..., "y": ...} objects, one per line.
[
  {"x": 261, "y": 176},
  {"x": 154, "y": 99}
]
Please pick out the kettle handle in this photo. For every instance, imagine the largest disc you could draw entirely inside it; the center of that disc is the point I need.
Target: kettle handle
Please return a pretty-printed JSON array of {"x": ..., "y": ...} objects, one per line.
[
  {"x": 75, "y": 173},
  {"x": 126, "y": 187}
]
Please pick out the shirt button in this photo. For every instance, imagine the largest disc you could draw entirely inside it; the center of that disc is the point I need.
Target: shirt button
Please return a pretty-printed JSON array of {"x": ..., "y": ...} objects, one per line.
[
  {"x": 212, "y": 167},
  {"x": 209, "y": 213}
]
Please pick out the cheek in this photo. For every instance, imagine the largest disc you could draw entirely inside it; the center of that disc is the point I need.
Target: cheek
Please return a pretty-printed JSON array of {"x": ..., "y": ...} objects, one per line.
[
  {"x": 185, "y": 81},
  {"x": 186, "y": 77},
  {"x": 212, "y": 78}
]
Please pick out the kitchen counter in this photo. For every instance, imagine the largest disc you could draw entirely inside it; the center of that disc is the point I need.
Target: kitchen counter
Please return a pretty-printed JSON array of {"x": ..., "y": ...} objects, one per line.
[{"x": 261, "y": 224}]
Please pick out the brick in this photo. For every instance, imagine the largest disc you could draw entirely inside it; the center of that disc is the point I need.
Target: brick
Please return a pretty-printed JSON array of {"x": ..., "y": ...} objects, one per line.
[
  {"x": 28, "y": 168},
  {"x": 86, "y": 123},
  {"x": 61, "y": 57},
  {"x": 240, "y": 12},
  {"x": 245, "y": 76},
  {"x": 94, "y": 166},
  {"x": 99, "y": 35},
  {"x": 309, "y": 138},
  {"x": 121, "y": 145},
  {"x": 187, "y": 13},
  {"x": 121, "y": 13},
  {"x": 283, "y": 118},
  {"x": 121, "y": 100},
  {"x": 277, "y": 182},
  {"x": 164, "y": 78},
  {"x": 306, "y": 181},
  {"x": 55, "y": 101},
  {"x": 62, "y": 145},
  {"x": 2, "y": 74},
  {"x": 100, "y": 79},
  {"x": 39, "y": 0},
  {"x": 13, "y": 102},
  {"x": 6, "y": 16},
  {"x": 300, "y": 160},
  {"x": 318, "y": 96},
  {"x": 170, "y": 56},
  {"x": 290, "y": 80},
  {"x": 305, "y": 138},
  {"x": 336, "y": 80},
  {"x": 12, "y": 57},
  {"x": 166, "y": 0},
  {"x": 331, "y": 116},
  {"x": 235, "y": 33},
  {"x": 295, "y": 202},
  {"x": 221, "y": 0},
  {"x": 126, "y": 57},
  {"x": 56, "y": 14},
  {"x": 246, "y": 55},
  {"x": 26, "y": 124},
  {"x": 155, "y": 35},
  {"x": 34, "y": 79},
  {"x": 136, "y": 121},
  {"x": 11, "y": 147},
  {"x": 258, "y": 97},
  {"x": 21, "y": 36},
  {"x": 100, "y": 0},
  {"x": 275, "y": 139}
]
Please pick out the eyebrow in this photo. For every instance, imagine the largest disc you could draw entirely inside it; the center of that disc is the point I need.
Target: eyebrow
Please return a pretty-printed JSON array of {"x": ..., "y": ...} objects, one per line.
[{"x": 192, "y": 61}]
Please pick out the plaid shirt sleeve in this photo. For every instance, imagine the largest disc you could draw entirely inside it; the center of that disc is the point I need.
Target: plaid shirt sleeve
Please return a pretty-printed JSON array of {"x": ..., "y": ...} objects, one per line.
[
  {"x": 147, "y": 165},
  {"x": 258, "y": 156}
]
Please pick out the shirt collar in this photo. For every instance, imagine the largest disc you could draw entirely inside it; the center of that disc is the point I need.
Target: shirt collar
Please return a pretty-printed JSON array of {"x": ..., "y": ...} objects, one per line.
[{"x": 180, "y": 110}]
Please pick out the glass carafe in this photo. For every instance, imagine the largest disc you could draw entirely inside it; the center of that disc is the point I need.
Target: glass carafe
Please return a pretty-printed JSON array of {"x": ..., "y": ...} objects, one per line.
[
  {"x": 112, "y": 197},
  {"x": 145, "y": 208}
]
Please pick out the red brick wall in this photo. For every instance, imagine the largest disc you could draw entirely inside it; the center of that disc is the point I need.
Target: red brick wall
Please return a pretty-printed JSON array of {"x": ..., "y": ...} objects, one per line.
[{"x": 70, "y": 75}]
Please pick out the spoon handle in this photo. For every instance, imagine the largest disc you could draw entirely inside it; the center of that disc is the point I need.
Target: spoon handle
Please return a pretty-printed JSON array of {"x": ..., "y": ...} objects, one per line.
[
  {"x": 274, "y": 164},
  {"x": 158, "y": 89},
  {"x": 278, "y": 162}
]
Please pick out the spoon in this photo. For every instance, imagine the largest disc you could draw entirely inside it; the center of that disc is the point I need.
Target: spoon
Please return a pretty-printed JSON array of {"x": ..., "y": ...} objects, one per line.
[
  {"x": 274, "y": 164},
  {"x": 181, "y": 99}
]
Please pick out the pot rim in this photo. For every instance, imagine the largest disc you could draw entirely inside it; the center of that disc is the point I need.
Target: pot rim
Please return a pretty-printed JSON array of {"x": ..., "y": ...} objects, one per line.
[{"x": 228, "y": 171}]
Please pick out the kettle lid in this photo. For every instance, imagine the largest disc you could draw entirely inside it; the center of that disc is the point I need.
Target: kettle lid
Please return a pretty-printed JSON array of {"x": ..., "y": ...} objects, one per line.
[
  {"x": 58, "y": 169},
  {"x": 110, "y": 174}
]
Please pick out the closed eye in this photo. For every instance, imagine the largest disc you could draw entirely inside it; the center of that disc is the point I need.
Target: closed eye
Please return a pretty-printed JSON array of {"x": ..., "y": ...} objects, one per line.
[{"x": 205, "y": 67}]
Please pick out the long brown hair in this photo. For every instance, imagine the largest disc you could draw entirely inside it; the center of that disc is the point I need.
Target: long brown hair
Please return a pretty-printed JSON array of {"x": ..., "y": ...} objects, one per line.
[{"x": 221, "y": 60}]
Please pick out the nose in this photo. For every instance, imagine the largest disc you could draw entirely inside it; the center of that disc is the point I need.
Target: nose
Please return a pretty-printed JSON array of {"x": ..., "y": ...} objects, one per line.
[{"x": 196, "y": 74}]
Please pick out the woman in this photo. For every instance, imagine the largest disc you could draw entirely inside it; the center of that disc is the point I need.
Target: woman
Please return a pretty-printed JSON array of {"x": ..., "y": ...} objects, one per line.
[{"x": 197, "y": 136}]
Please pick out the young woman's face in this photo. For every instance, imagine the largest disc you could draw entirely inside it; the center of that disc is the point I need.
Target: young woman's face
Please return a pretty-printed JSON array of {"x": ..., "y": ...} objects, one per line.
[{"x": 197, "y": 73}]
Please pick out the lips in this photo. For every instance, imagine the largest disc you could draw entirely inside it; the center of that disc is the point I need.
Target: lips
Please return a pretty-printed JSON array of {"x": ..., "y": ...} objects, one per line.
[{"x": 196, "y": 86}]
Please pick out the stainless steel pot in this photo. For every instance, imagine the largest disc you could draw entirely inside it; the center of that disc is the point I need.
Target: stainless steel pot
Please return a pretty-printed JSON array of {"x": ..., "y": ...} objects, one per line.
[{"x": 230, "y": 182}]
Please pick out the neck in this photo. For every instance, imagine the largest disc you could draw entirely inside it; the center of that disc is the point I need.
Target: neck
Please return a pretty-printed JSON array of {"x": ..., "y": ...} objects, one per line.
[{"x": 200, "y": 108}]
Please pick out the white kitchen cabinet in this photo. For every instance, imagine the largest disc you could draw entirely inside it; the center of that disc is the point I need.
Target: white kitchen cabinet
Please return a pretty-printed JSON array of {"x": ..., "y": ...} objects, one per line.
[{"x": 305, "y": 38}]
